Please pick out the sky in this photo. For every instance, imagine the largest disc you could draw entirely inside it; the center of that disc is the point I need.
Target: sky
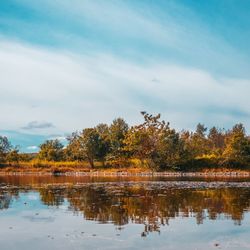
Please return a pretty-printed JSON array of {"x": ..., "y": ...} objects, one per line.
[{"x": 69, "y": 64}]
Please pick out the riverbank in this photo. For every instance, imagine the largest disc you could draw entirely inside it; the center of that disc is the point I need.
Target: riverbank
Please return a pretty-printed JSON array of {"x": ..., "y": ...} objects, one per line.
[{"x": 128, "y": 172}]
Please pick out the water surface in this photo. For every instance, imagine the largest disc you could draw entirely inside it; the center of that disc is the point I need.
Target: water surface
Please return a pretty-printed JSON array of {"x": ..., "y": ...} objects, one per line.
[{"x": 45, "y": 212}]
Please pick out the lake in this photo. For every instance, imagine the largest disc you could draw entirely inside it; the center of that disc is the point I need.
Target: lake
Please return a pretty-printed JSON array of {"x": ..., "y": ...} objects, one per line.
[{"x": 70, "y": 212}]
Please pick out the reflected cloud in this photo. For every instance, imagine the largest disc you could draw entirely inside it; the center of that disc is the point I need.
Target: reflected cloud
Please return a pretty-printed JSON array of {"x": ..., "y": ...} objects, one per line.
[{"x": 34, "y": 218}]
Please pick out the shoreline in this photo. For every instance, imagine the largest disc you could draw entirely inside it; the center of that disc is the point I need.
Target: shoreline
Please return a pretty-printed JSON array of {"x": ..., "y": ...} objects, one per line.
[{"x": 239, "y": 173}]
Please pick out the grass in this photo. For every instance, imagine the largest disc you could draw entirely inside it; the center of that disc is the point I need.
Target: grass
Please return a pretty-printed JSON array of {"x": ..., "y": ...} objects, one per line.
[
  {"x": 37, "y": 166},
  {"x": 132, "y": 166}
]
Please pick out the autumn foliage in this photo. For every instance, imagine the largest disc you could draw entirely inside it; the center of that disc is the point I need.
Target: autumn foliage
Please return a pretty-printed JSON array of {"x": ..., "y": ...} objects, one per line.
[{"x": 153, "y": 143}]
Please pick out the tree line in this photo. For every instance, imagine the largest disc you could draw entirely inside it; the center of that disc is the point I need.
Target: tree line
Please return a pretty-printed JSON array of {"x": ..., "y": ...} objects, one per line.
[{"x": 153, "y": 143}]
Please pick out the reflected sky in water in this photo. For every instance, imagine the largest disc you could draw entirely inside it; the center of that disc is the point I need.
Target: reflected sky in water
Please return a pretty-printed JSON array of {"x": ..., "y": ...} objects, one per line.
[{"x": 136, "y": 213}]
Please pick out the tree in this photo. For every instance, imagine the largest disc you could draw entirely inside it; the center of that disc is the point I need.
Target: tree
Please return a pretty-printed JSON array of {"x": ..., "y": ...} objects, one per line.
[
  {"x": 216, "y": 139},
  {"x": 13, "y": 155},
  {"x": 91, "y": 144},
  {"x": 5, "y": 148},
  {"x": 51, "y": 150},
  {"x": 141, "y": 140},
  {"x": 155, "y": 143},
  {"x": 199, "y": 144},
  {"x": 118, "y": 130},
  {"x": 171, "y": 151},
  {"x": 74, "y": 150},
  {"x": 237, "y": 151},
  {"x": 104, "y": 143}
]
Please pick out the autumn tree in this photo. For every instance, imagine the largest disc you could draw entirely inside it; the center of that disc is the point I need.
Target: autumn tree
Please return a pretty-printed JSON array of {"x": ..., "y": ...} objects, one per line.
[
  {"x": 83, "y": 145},
  {"x": 216, "y": 138},
  {"x": 237, "y": 151},
  {"x": 13, "y": 155},
  {"x": 141, "y": 140},
  {"x": 51, "y": 150},
  {"x": 199, "y": 144},
  {"x": 155, "y": 143},
  {"x": 91, "y": 144}
]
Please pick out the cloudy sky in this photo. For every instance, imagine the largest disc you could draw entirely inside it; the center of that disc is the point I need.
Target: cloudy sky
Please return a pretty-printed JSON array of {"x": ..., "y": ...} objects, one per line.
[{"x": 69, "y": 64}]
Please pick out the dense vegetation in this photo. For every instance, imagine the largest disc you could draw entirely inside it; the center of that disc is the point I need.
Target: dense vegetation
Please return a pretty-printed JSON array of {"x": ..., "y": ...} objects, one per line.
[{"x": 153, "y": 143}]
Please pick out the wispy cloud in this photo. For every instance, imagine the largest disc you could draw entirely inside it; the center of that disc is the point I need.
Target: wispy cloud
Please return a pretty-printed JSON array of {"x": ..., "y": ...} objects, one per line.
[
  {"x": 166, "y": 30},
  {"x": 74, "y": 92},
  {"x": 38, "y": 125},
  {"x": 76, "y": 63}
]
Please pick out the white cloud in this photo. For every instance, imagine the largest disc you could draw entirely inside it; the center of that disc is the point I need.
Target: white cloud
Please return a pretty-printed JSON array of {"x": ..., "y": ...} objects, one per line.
[
  {"x": 74, "y": 91},
  {"x": 32, "y": 147},
  {"x": 58, "y": 137}
]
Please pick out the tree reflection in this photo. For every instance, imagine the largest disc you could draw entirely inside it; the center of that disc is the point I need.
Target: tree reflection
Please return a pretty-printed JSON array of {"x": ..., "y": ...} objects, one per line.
[
  {"x": 6, "y": 197},
  {"x": 153, "y": 207},
  {"x": 5, "y": 200}
]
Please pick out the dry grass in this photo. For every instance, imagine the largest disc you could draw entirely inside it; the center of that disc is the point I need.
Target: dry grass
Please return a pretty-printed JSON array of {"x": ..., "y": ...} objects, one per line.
[
  {"x": 132, "y": 166},
  {"x": 45, "y": 166},
  {"x": 37, "y": 166}
]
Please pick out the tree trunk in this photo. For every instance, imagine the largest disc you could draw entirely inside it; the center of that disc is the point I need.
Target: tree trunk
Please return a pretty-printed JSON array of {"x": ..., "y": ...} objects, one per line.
[{"x": 91, "y": 162}]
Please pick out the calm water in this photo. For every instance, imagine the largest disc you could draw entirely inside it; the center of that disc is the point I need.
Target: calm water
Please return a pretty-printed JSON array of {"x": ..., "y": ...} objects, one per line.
[{"x": 123, "y": 213}]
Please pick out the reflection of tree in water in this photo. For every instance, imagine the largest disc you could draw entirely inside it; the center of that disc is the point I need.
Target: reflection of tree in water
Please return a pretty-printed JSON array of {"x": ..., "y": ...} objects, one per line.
[
  {"x": 51, "y": 197},
  {"x": 6, "y": 198},
  {"x": 153, "y": 207}
]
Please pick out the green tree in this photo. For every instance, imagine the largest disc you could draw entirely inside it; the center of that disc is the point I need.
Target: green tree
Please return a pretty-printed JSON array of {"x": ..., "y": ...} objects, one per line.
[
  {"x": 5, "y": 148},
  {"x": 171, "y": 151},
  {"x": 118, "y": 130},
  {"x": 104, "y": 143},
  {"x": 51, "y": 150}
]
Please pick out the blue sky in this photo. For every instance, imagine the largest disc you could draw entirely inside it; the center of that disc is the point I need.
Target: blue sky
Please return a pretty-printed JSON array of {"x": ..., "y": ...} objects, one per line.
[{"x": 69, "y": 64}]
